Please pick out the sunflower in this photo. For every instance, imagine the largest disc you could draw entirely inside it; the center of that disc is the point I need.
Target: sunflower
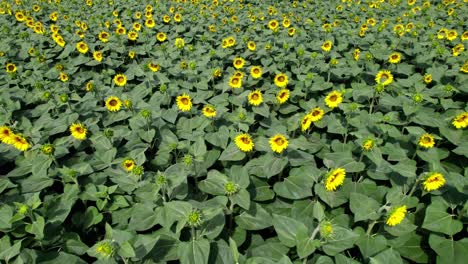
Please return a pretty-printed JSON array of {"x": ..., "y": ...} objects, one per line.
[
  {"x": 394, "y": 58},
  {"x": 19, "y": 142},
  {"x": 78, "y": 131},
  {"x": 60, "y": 41},
  {"x": 281, "y": 80},
  {"x": 120, "y": 30},
  {"x": 459, "y": 48},
  {"x": 136, "y": 26},
  {"x": 251, "y": 46},
  {"x": 166, "y": 19},
  {"x": 464, "y": 68},
  {"x": 427, "y": 78},
  {"x": 113, "y": 103},
  {"x": 82, "y": 47},
  {"x": 231, "y": 41},
  {"x": 63, "y": 77},
  {"x": 316, "y": 114},
  {"x": 238, "y": 63},
  {"x": 20, "y": 17},
  {"x": 334, "y": 179},
  {"x": 255, "y": 97},
  {"x": 177, "y": 18},
  {"x": 131, "y": 54},
  {"x": 286, "y": 22},
  {"x": 356, "y": 54},
  {"x": 179, "y": 43},
  {"x": 161, "y": 36},
  {"x": 10, "y": 68},
  {"x": 327, "y": 45},
  {"x": 209, "y": 111},
  {"x": 244, "y": 142},
  {"x": 97, "y": 55},
  {"x": 278, "y": 143},
  {"x": 235, "y": 82},
  {"x": 306, "y": 122},
  {"x": 273, "y": 24},
  {"x": 368, "y": 144},
  {"x": 153, "y": 67},
  {"x": 333, "y": 99},
  {"x": 128, "y": 165},
  {"x": 433, "y": 181},
  {"x": 464, "y": 36},
  {"x": 282, "y": 96},
  {"x": 426, "y": 141},
  {"x": 149, "y": 23},
  {"x": 6, "y": 135},
  {"x": 184, "y": 102},
  {"x": 256, "y": 72},
  {"x": 238, "y": 74},
  {"x": 120, "y": 80},
  {"x": 451, "y": 35},
  {"x": 291, "y": 31},
  {"x": 396, "y": 216},
  {"x": 132, "y": 35},
  {"x": 460, "y": 121},
  {"x": 384, "y": 77}
]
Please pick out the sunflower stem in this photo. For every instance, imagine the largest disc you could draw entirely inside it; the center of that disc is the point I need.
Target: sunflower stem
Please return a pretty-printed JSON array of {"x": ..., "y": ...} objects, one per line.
[
  {"x": 372, "y": 104},
  {"x": 370, "y": 226}
]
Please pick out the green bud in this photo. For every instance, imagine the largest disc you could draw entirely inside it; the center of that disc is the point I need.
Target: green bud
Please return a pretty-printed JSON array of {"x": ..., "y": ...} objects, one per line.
[
  {"x": 145, "y": 113},
  {"x": 417, "y": 98},
  {"x": 64, "y": 98},
  {"x": 194, "y": 219},
  {"x": 230, "y": 188}
]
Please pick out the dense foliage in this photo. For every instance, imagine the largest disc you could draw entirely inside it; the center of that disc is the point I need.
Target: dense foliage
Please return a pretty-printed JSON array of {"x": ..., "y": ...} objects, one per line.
[{"x": 215, "y": 131}]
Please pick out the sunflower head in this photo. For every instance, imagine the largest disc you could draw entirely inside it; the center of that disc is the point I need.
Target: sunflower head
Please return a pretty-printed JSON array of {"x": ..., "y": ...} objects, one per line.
[
  {"x": 120, "y": 80},
  {"x": 282, "y": 96},
  {"x": 426, "y": 141},
  {"x": 461, "y": 121},
  {"x": 255, "y": 98},
  {"x": 113, "y": 104},
  {"x": 397, "y": 214},
  {"x": 433, "y": 181},
  {"x": 278, "y": 143},
  {"x": 244, "y": 142},
  {"x": 184, "y": 102},
  {"x": 238, "y": 63},
  {"x": 394, "y": 58},
  {"x": 281, "y": 80},
  {"x": 209, "y": 111},
  {"x": 334, "y": 179},
  {"x": 334, "y": 99},
  {"x": 78, "y": 131},
  {"x": 384, "y": 77}
]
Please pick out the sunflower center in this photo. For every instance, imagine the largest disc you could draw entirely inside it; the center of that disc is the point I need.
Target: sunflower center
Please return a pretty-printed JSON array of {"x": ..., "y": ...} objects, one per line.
[
  {"x": 235, "y": 81},
  {"x": 120, "y": 79},
  {"x": 238, "y": 62},
  {"x": 255, "y": 96},
  {"x": 11, "y": 67},
  {"x": 316, "y": 113},
  {"x": 79, "y": 130},
  {"x": 281, "y": 79},
  {"x": 113, "y": 102},
  {"x": 279, "y": 141},
  {"x": 245, "y": 140},
  {"x": 333, "y": 98},
  {"x": 282, "y": 95},
  {"x": 184, "y": 101},
  {"x": 395, "y": 57},
  {"x": 426, "y": 140},
  {"x": 256, "y": 71}
]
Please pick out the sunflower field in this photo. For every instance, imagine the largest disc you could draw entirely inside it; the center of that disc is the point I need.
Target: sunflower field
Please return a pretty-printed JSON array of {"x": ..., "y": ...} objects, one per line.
[{"x": 233, "y": 131}]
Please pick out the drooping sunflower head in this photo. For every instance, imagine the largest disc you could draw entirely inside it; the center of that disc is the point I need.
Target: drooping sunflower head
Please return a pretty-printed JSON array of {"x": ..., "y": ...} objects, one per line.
[
  {"x": 244, "y": 142},
  {"x": 306, "y": 122},
  {"x": 255, "y": 98},
  {"x": 282, "y": 96},
  {"x": 397, "y": 214},
  {"x": 278, "y": 143},
  {"x": 334, "y": 179},
  {"x": 78, "y": 131},
  {"x": 184, "y": 102},
  {"x": 154, "y": 67},
  {"x": 461, "y": 121},
  {"x": 113, "y": 103},
  {"x": 209, "y": 111},
  {"x": 433, "y": 181}
]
